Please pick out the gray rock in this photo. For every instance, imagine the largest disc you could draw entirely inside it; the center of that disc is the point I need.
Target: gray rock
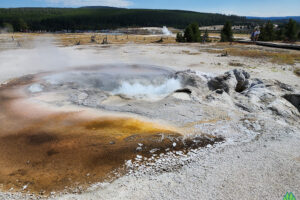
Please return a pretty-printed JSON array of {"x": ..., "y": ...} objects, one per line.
[
  {"x": 294, "y": 99},
  {"x": 221, "y": 82},
  {"x": 234, "y": 80},
  {"x": 284, "y": 86},
  {"x": 242, "y": 79},
  {"x": 190, "y": 78}
]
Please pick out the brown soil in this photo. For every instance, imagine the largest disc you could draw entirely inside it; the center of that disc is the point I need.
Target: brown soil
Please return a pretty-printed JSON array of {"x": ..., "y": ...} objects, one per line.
[{"x": 59, "y": 151}]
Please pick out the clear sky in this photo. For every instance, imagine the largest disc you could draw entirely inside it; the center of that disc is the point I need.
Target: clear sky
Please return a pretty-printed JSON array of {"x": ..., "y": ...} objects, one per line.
[{"x": 239, "y": 7}]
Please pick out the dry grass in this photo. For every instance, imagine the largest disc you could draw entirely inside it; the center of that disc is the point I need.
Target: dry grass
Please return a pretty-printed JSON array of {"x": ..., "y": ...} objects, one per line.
[
  {"x": 190, "y": 53},
  {"x": 235, "y": 35},
  {"x": 72, "y": 39},
  {"x": 297, "y": 71},
  {"x": 235, "y": 64},
  {"x": 285, "y": 57},
  {"x": 279, "y": 57}
]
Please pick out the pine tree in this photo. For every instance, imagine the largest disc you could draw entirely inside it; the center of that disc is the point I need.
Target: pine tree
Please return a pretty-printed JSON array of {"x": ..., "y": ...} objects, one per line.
[
  {"x": 262, "y": 36},
  {"x": 20, "y": 25},
  {"x": 188, "y": 34},
  {"x": 226, "y": 33},
  {"x": 8, "y": 27},
  {"x": 196, "y": 32},
  {"x": 180, "y": 38},
  {"x": 279, "y": 34},
  {"x": 206, "y": 36},
  {"x": 267, "y": 32},
  {"x": 291, "y": 31},
  {"x": 270, "y": 31},
  {"x": 192, "y": 33}
]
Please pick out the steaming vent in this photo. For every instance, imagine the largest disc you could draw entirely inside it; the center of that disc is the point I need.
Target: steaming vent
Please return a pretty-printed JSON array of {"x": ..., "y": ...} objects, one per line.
[
  {"x": 132, "y": 81},
  {"x": 166, "y": 31}
]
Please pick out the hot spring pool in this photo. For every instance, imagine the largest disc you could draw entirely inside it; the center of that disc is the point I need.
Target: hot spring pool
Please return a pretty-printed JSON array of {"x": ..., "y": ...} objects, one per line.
[{"x": 133, "y": 81}]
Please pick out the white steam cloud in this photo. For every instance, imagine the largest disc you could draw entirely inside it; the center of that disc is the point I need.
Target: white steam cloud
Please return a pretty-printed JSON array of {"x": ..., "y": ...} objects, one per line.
[
  {"x": 34, "y": 88},
  {"x": 141, "y": 90},
  {"x": 44, "y": 56},
  {"x": 166, "y": 31}
]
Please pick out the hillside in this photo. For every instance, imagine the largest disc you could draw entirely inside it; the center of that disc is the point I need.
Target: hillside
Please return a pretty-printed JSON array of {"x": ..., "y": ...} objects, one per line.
[
  {"x": 95, "y": 18},
  {"x": 279, "y": 19}
]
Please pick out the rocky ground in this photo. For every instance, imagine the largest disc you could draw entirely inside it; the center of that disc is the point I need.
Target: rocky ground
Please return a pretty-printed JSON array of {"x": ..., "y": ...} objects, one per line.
[{"x": 254, "y": 106}]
